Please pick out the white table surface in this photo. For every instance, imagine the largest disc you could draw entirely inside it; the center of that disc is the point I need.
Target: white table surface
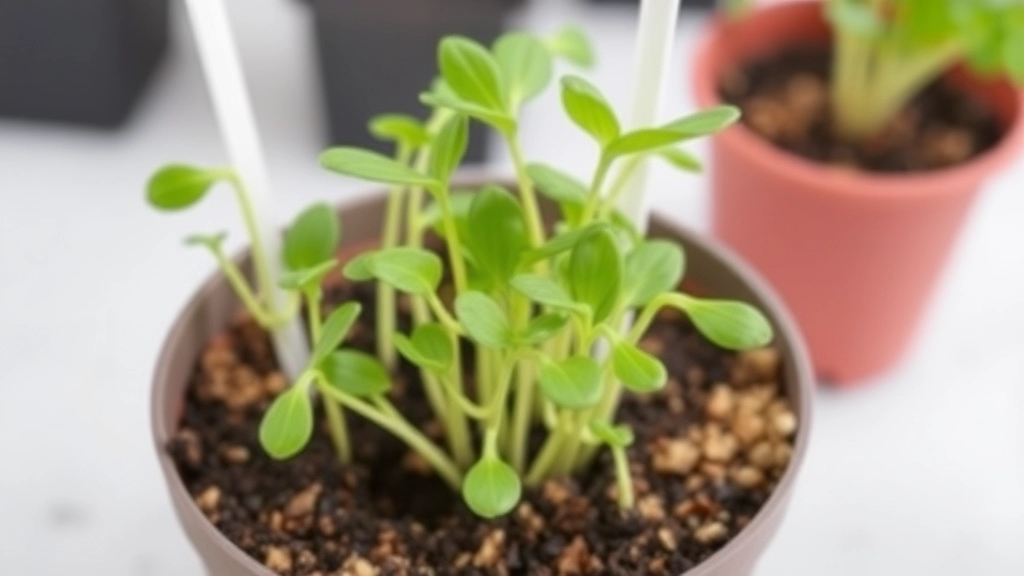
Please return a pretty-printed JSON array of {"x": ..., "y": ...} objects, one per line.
[{"x": 919, "y": 472}]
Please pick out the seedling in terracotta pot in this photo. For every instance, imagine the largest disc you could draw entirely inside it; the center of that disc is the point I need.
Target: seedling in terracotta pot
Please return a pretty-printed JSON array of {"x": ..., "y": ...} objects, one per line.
[{"x": 510, "y": 325}]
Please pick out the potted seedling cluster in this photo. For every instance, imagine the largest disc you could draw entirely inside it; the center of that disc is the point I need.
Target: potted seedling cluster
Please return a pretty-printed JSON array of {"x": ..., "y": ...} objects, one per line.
[
  {"x": 504, "y": 377},
  {"x": 869, "y": 126}
]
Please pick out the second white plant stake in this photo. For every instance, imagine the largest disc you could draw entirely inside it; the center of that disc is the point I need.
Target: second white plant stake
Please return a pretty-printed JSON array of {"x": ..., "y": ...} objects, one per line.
[{"x": 226, "y": 82}]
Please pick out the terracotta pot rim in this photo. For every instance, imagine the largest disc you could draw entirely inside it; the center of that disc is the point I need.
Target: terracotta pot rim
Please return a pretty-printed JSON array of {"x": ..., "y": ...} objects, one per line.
[
  {"x": 787, "y": 332},
  {"x": 860, "y": 184}
]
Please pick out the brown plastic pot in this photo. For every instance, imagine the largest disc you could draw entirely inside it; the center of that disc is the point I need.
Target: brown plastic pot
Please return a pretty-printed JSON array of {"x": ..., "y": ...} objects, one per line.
[
  {"x": 856, "y": 256},
  {"x": 710, "y": 267}
]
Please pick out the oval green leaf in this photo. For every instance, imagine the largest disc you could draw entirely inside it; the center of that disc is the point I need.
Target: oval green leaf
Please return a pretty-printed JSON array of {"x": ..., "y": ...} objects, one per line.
[
  {"x": 412, "y": 270},
  {"x": 497, "y": 234},
  {"x": 572, "y": 44},
  {"x": 557, "y": 185},
  {"x": 495, "y": 118},
  {"x": 544, "y": 327},
  {"x": 653, "y": 267},
  {"x": 313, "y": 238},
  {"x": 287, "y": 425},
  {"x": 429, "y": 347},
  {"x": 178, "y": 186},
  {"x": 681, "y": 159},
  {"x": 574, "y": 384},
  {"x": 638, "y": 370},
  {"x": 471, "y": 72},
  {"x": 335, "y": 330},
  {"x": 355, "y": 373},
  {"x": 485, "y": 321},
  {"x": 589, "y": 110},
  {"x": 400, "y": 128},
  {"x": 491, "y": 488},
  {"x": 449, "y": 148},
  {"x": 645, "y": 140},
  {"x": 544, "y": 291},
  {"x": 705, "y": 122},
  {"x": 373, "y": 167},
  {"x": 595, "y": 273},
  {"x": 525, "y": 66},
  {"x": 729, "y": 324},
  {"x": 616, "y": 436}
]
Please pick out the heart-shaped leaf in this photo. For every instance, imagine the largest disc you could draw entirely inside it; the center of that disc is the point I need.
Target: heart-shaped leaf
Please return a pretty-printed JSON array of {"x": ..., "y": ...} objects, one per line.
[
  {"x": 589, "y": 110},
  {"x": 485, "y": 321},
  {"x": 595, "y": 273},
  {"x": 313, "y": 238},
  {"x": 638, "y": 370},
  {"x": 373, "y": 167},
  {"x": 574, "y": 384},
  {"x": 335, "y": 329},
  {"x": 355, "y": 373},
  {"x": 491, "y": 488},
  {"x": 653, "y": 267},
  {"x": 287, "y": 425},
  {"x": 497, "y": 234},
  {"x": 525, "y": 65},
  {"x": 178, "y": 186},
  {"x": 429, "y": 347}
]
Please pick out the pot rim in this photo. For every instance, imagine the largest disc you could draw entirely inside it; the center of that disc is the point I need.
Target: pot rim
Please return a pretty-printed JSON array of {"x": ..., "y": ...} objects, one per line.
[
  {"x": 787, "y": 332},
  {"x": 811, "y": 174}
]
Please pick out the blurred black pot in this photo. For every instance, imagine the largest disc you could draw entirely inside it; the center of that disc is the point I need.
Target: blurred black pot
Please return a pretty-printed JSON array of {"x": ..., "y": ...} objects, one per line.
[
  {"x": 78, "y": 61},
  {"x": 378, "y": 55}
]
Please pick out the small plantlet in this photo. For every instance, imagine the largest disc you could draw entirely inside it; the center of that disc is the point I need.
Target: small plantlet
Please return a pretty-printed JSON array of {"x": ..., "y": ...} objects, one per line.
[
  {"x": 887, "y": 51},
  {"x": 553, "y": 311}
]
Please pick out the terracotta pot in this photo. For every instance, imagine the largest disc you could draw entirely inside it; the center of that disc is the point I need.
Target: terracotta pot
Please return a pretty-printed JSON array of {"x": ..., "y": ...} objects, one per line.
[
  {"x": 856, "y": 256},
  {"x": 714, "y": 269}
]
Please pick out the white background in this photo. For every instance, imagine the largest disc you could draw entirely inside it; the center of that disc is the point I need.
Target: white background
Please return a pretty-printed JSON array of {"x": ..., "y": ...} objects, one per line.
[{"x": 920, "y": 471}]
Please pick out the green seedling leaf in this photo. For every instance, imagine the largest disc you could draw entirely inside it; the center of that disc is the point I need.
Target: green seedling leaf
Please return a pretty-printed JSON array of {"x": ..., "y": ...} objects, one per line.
[
  {"x": 356, "y": 373},
  {"x": 485, "y": 321},
  {"x": 638, "y": 370},
  {"x": 525, "y": 65},
  {"x": 460, "y": 204},
  {"x": 449, "y": 148},
  {"x": 411, "y": 270},
  {"x": 498, "y": 119},
  {"x": 496, "y": 233},
  {"x": 557, "y": 185},
  {"x": 645, "y": 140},
  {"x": 178, "y": 186},
  {"x": 705, "y": 122},
  {"x": 653, "y": 267},
  {"x": 589, "y": 110},
  {"x": 681, "y": 159},
  {"x": 574, "y": 384},
  {"x": 373, "y": 167},
  {"x": 401, "y": 128},
  {"x": 595, "y": 273},
  {"x": 213, "y": 242},
  {"x": 545, "y": 291},
  {"x": 564, "y": 242},
  {"x": 359, "y": 269},
  {"x": 572, "y": 44},
  {"x": 429, "y": 347},
  {"x": 544, "y": 327},
  {"x": 471, "y": 72},
  {"x": 334, "y": 330},
  {"x": 615, "y": 436},
  {"x": 297, "y": 280},
  {"x": 729, "y": 324},
  {"x": 287, "y": 425},
  {"x": 491, "y": 488},
  {"x": 312, "y": 238}
]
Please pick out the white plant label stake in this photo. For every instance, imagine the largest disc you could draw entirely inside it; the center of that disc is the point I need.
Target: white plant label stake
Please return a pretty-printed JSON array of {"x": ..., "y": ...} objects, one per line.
[
  {"x": 226, "y": 82},
  {"x": 654, "y": 50}
]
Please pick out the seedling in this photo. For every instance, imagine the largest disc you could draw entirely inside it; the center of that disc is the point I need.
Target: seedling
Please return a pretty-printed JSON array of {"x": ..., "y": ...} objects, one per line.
[
  {"x": 545, "y": 308},
  {"x": 887, "y": 51}
]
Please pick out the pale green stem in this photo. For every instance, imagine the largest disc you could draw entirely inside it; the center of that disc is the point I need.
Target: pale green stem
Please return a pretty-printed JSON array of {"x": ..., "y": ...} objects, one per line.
[
  {"x": 451, "y": 231},
  {"x": 443, "y": 315},
  {"x": 620, "y": 184},
  {"x": 241, "y": 287},
  {"x": 627, "y": 495},
  {"x": 386, "y": 309},
  {"x": 596, "y": 188},
  {"x": 534, "y": 221},
  {"x": 265, "y": 281},
  {"x": 336, "y": 424},
  {"x": 402, "y": 429}
]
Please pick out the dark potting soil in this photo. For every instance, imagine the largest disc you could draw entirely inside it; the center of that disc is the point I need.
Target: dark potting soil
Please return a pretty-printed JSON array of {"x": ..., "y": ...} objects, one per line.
[
  {"x": 785, "y": 99},
  {"x": 710, "y": 449}
]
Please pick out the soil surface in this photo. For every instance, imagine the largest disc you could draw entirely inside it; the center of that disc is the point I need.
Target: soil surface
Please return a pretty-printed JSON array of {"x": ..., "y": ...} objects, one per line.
[
  {"x": 709, "y": 451},
  {"x": 785, "y": 99}
]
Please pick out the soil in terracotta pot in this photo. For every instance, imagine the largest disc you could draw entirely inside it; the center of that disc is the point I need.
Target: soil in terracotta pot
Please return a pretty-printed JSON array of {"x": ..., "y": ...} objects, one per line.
[
  {"x": 784, "y": 98},
  {"x": 709, "y": 451}
]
